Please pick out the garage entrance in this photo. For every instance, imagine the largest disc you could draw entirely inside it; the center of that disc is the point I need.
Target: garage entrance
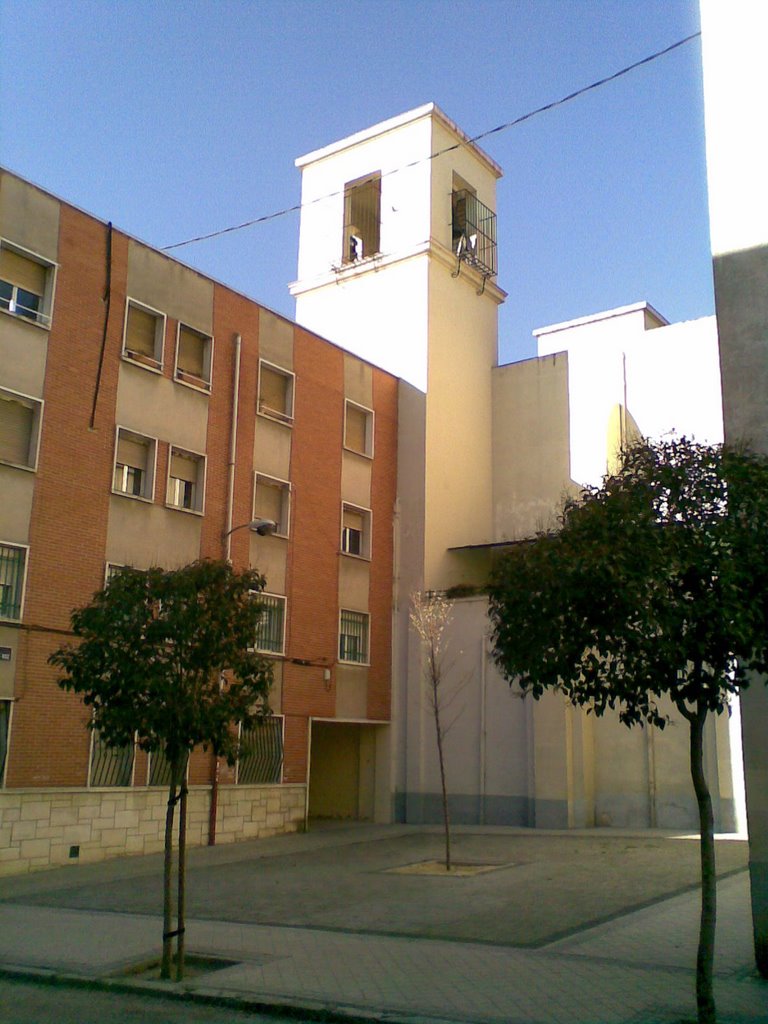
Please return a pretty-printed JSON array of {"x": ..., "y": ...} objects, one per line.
[{"x": 342, "y": 771}]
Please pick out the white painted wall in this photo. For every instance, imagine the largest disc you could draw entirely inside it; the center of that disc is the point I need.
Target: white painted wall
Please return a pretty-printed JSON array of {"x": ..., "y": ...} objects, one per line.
[
  {"x": 735, "y": 69},
  {"x": 668, "y": 376}
]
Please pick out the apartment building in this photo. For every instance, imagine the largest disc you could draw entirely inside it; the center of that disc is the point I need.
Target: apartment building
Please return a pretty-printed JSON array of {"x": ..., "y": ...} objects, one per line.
[{"x": 148, "y": 414}]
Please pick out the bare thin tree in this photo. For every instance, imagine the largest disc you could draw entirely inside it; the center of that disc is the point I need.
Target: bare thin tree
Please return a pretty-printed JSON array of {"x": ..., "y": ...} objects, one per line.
[{"x": 430, "y": 615}]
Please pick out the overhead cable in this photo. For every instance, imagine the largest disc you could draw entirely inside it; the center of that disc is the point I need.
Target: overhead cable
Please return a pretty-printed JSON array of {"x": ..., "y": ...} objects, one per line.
[{"x": 448, "y": 149}]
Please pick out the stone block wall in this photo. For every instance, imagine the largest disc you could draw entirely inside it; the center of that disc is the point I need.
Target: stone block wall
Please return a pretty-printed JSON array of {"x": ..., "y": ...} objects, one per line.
[{"x": 53, "y": 827}]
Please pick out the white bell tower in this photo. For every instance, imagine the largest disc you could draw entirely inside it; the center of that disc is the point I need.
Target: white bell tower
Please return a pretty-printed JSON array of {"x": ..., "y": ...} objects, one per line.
[{"x": 397, "y": 264}]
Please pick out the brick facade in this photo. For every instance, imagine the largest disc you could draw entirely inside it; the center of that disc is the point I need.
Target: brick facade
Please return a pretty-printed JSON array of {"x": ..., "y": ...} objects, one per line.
[{"x": 77, "y": 524}]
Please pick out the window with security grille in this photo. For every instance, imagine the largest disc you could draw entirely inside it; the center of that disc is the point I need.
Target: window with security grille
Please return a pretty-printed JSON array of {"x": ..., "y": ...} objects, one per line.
[
  {"x": 25, "y": 285},
  {"x": 186, "y": 477},
  {"x": 19, "y": 428},
  {"x": 110, "y": 766},
  {"x": 356, "y": 531},
  {"x": 275, "y": 392},
  {"x": 362, "y": 218},
  {"x": 270, "y": 632},
  {"x": 144, "y": 334},
  {"x": 473, "y": 231},
  {"x": 193, "y": 357},
  {"x": 134, "y": 465},
  {"x": 12, "y": 565},
  {"x": 353, "y": 637},
  {"x": 260, "y": 760},
  {"x": 272, "y": 500},
  {"x": 358, "y": 429}
]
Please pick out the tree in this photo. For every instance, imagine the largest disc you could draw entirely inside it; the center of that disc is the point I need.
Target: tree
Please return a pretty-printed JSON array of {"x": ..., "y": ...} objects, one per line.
[
  {"x": 430, "y": 615},
  {"x": 655, "y": 586},
  {"x": 166, "y": 661}
]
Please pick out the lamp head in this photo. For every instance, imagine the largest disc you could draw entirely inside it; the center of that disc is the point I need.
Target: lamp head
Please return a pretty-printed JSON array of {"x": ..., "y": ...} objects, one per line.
[{"x": 264, "y": 527}]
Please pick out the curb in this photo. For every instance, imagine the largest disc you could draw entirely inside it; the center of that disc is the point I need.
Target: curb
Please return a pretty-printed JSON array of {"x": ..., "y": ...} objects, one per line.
[{"x": 290, "y": 1009}]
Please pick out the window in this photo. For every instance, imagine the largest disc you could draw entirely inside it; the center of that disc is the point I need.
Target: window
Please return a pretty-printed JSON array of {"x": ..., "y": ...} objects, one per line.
[
  {"x": 260, "y": 759},
  {"x": 110, "y": 766},
  {"x": 358, "y": 429},
  {"x": 275, "y": 392},
  {"x": 270, "y": 634},
  {"x": 272, "y": 500},
  {"x": 362, "y": 216},
  {"x": 473, "y": 231},
  {"x": 5, "y": 730},
  {"x": 13, "y": 562},
  {"x": 353, "y": 637},
  {"x": 112, "y": 570},
  {"x": 26, "y": 284},
  {"x": 134, "y": 473},
  {"x": 356, "y": 531},
  {"x": 186, "y": 480},
  {"x": 193, "y": 357},
  {"x": 19, "y": 428},
  {"x": 144, "y": 335}
]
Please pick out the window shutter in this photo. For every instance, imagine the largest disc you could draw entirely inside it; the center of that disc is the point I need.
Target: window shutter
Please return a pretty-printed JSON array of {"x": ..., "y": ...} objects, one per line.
[
  {"x": 269, "y": 501},
  {"x": 25, "y": 273},
  {"x": 140, "y": 332},
  {"x": 191, "y": 355},
  {"x": 273, "y": 391},
  {"x": 184, "y": 468},
  {"x": 355, "y": 431},
  {"x": 353, "y": 520},
  {"x": 15, "y": 430},
  {"x": 132, "y": 453}
]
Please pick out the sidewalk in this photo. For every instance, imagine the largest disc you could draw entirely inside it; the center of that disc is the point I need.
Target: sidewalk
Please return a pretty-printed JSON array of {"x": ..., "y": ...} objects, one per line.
[{"x": 636, "y": 966}]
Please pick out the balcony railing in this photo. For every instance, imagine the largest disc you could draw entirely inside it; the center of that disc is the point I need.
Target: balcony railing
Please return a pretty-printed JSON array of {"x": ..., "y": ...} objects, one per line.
[{"x": 474, "y": 232}]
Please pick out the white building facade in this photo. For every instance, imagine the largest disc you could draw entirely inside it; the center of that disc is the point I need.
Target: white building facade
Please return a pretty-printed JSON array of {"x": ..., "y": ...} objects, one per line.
[{"x": 398, "y": 263}]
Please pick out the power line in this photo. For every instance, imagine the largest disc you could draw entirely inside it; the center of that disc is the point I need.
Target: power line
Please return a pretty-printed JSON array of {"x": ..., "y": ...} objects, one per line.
[{"x": 448, "y": 149}]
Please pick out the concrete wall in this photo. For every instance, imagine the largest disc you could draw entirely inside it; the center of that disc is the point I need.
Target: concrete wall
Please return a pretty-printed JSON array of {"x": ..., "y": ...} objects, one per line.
[
  {"x": 487, "y": 742},
  {"x": 666, "y": 377},
  {"x": 531, "y": 446}
]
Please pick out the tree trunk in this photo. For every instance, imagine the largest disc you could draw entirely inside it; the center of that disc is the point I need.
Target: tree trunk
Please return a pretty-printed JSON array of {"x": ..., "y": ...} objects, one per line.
[
  {"x": 182, "y": 876},
  {"x": 165, "y": 966},
  {"x": 705, "y": 997},
  {"x": 214, "y": 805},
  {"x": 441, "y": 759}
]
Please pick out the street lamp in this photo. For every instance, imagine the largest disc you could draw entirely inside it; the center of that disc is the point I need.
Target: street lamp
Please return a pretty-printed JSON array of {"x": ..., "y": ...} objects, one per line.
[{"x": 264, "y": 528}]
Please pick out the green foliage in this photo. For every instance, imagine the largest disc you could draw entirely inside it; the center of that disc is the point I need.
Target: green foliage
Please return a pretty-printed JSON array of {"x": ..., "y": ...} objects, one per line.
[
  {"x": 152, "y": 647},
  {"x": 656, "y": 584}
]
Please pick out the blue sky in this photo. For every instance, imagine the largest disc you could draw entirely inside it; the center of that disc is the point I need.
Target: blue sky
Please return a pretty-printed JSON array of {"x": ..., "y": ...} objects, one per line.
[{"x": 173, "y": 119}]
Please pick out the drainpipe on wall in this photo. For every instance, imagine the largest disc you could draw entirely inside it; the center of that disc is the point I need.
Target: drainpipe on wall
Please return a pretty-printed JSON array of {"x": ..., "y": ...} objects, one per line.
[
  {"x": 483, "y": 729},
  {"x": 228, "y": 551}
]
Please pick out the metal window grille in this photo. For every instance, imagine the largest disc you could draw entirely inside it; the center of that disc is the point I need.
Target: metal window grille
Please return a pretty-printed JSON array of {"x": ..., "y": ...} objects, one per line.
[
  {"x": 110, "y": 766},
  {"x": 474, "y": 232},
  {"x": 11, "y": 580},
  {"x": 5, "y": 720},
  {"x": 270, "y": 632},
  {"x": 159, "y": 769},
  {"x": 353, "y": 637},
  {"x": 261, "y": 753}
]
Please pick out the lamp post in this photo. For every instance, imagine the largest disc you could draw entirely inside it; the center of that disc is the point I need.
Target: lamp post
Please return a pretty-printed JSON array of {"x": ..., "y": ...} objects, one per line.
[{"x": 264, "y": 528}]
